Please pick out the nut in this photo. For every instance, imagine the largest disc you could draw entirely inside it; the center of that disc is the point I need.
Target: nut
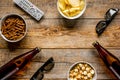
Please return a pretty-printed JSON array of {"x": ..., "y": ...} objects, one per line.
[{"x": 82, "y": 71}]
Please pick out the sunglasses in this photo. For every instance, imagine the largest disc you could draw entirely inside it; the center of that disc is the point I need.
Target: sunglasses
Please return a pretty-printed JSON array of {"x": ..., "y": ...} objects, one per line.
[
  {"x": 47, "y": 66},
  {"x": 109, "y": 16}
]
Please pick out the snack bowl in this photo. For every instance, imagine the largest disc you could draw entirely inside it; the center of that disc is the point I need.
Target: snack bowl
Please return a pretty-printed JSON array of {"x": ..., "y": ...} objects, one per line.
[
  {"x": 82, "y": 71},
  {"x": 78, "y": 10},
  {"x": 13, "y": 28}
]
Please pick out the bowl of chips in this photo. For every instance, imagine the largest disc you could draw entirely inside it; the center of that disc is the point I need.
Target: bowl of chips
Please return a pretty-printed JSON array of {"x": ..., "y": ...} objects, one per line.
[{"x": 71, "y": 9}]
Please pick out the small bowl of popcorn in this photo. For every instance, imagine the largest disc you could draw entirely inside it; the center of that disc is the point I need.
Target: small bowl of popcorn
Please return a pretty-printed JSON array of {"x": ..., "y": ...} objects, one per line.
[
  {"x": 71, "y": 9},
  {"x": 82, "y": 71}
]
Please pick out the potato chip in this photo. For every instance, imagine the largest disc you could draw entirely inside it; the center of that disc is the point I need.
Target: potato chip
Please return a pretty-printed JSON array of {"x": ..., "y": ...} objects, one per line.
[
  {"x": 62, "y": 4},
  {"x": 82, "y": 4},
  {"x": 66, "y": 2},
  {"x": 66, "y": 12},
  {"x": 74, "y": 13},
  {"x": 74, "y": 9}
]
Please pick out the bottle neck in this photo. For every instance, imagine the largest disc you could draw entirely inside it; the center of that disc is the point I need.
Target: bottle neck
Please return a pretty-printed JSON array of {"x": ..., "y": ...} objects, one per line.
[
  {"x": 32, "y": 53},
  {"x": 24, "y": 58},
  {"x": 28, "y": 55},
  {"x": 104, "y": 54}
]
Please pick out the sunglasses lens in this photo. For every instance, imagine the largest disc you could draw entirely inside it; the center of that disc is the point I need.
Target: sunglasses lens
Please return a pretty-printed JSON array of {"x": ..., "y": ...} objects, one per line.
[
  {"x": 110, "y": 14},
  {"x": 38, "y": 76},
  {"x": 101, "y": 27},
  {"x": 49, "y": 66}
]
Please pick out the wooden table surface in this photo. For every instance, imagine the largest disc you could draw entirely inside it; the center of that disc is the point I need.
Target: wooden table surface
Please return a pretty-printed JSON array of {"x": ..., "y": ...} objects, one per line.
[{"x": 67, "y": 41}]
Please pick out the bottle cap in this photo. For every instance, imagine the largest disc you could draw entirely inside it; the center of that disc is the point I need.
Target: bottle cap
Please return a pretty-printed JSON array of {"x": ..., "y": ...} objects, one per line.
[{"x": 95, "y": 43}]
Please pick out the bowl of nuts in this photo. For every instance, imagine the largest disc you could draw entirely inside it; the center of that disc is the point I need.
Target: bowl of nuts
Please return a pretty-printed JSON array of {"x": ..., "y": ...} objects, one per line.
[
  {"x": 82, "y": 71},
  {"x": 13, "y": 28},
  {"x": 71, "y": 9}
]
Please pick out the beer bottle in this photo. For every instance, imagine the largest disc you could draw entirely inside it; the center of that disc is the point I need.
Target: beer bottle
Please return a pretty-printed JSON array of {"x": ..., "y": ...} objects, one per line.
[
  {"x": 109, "y": 59},
  {"x": 16, "y": 64}
]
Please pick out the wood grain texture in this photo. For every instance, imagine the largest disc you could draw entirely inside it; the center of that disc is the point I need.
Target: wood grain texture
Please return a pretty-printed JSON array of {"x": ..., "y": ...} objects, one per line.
[
  {"x": 56, "y": 33},
  {"x": 64, "y": 58},
  {"x": 67, "y": 41},
  {"x": 95, "y": 9}
]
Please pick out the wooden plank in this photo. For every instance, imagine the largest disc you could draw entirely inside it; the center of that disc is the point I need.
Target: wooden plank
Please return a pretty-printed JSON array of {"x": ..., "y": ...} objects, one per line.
[
  {"x": 60, "y": 72},
  {"x": 56, "y": 33},
  {"x": 64, "y": 58},
  {"x": 95, "y": 8},
  {"x": 53, "y": 31}
]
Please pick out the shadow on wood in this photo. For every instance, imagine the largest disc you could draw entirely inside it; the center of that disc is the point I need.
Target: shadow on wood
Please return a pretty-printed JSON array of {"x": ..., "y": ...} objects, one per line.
[
  {"x": 13, "y": 46},
  {"x": 69, "y": 23}
]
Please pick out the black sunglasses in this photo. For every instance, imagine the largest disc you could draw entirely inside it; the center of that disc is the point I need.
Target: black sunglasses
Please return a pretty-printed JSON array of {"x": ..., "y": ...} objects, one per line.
[
  {"x": 47, "y": 66},
  {"x": 109, "y": 16}
]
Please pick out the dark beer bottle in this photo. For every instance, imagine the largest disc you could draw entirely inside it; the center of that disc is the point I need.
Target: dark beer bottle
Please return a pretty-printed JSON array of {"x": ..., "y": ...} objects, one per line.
[
  {"x": 109, "y": 59},
  {"x": 16, "y": 64}
]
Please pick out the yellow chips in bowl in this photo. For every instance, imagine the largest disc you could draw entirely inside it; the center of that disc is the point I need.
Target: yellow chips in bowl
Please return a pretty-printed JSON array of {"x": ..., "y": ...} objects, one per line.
[{"x": 71, "y": 8}]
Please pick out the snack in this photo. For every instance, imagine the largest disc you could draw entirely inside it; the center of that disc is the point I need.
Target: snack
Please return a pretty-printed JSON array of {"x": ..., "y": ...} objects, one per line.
[
  {"x": 81, "y": 71},
  {"x": 13, "y": 27},
  {"x": 71, "y": 8}
]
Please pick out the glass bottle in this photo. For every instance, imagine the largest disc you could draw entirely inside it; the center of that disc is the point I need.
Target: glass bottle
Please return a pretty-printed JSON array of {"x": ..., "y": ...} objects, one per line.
[
  {"x": 112, "y": 62},
  {"x": 16, "y": 64}
]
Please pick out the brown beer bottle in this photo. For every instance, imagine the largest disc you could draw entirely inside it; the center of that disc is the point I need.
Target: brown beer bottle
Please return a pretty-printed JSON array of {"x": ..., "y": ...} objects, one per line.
[
  {"x": 109, "y": 59},
  {"x": 16, "y": 64}
]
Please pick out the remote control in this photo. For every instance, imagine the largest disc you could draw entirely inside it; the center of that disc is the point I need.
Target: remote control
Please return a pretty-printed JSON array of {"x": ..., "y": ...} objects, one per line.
[{"x": 30, "y": 8}]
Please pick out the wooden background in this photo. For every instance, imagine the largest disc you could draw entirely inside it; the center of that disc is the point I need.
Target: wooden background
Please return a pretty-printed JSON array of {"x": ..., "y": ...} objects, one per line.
[{"x": 67, "y": 41}]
